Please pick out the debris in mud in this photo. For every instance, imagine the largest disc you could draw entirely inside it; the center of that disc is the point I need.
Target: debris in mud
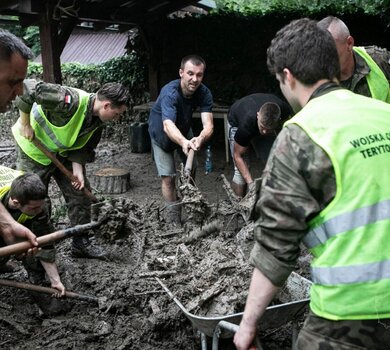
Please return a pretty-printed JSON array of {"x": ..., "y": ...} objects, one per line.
[
  {"x": 193, "y": 202},
  {"x": 204, "y": 263}
]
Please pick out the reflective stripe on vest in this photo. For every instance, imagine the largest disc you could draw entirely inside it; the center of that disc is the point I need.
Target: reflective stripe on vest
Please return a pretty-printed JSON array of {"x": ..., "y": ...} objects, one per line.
[
  {"x": 55, "y": 139},
  {"x": 7, "y": 175},
  {"x": 349, "y": 238},
  {"x": 351, "y": 274},
  {"x": 42, "y": 123},
  {"x": 376, "y": 79},
  {"x": 346, "y": 222}
]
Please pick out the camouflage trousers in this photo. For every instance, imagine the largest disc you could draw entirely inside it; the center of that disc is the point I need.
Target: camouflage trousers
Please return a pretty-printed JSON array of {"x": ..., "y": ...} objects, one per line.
[
  {"x": 322, "y": 334},
  {"x": 78, "y": 205}
]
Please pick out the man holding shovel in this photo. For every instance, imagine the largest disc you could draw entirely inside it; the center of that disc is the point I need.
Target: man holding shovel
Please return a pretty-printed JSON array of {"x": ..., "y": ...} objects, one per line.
[
  {"x": 23, "y": 196},
  {"x": 14, "y": 55},
  {"x": 170, "y": 123},
  {"x": 68, "y": 122}
]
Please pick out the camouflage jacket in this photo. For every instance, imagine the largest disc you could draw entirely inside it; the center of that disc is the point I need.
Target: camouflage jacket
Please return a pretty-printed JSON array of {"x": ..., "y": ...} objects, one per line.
[
  {"x": 357, "y": 82},
  {"x": 59, "y": 104},
  {"x": 40, "y": 225},
  {"x": 298, "y": 182}
]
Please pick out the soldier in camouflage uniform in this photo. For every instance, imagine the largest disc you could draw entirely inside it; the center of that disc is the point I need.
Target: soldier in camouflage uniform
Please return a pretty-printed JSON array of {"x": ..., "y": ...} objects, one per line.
[
  {"x": 14, "y": 55},
  {"x": 355, "y": 71},
  {"x": 68, "y": 122},
  {"x": 299, "y": 182}
]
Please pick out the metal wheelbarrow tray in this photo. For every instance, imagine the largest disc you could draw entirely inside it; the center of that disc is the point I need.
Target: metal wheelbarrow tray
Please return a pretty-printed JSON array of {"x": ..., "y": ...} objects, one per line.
[{"x": 275, "y": 316}]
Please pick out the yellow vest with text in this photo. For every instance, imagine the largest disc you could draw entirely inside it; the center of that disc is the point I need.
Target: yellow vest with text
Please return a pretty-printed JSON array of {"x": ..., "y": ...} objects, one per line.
[
  {"x": 56, "y": 138},
  {"x": 350, "y": 238},
  {"x": 376, "y": 80},
  {"x": 7, "y": 175}
]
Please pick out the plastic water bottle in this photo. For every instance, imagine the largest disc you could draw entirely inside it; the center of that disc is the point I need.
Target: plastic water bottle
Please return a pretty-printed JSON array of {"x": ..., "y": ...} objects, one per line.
[{"x": 208, "y": 165}]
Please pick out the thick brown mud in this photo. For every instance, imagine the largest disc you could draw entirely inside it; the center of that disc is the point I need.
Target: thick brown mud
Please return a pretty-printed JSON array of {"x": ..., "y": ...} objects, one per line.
[{"x": 204, "y": 264}]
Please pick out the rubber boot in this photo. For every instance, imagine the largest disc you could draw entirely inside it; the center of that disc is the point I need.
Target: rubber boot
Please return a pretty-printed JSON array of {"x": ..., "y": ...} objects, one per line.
[
  {"x": 83, "y": 248},
  {"x": 173, "y": 213}
]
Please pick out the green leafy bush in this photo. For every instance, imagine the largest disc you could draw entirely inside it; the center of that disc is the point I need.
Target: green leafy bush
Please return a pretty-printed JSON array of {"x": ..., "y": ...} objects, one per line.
[{"x": 129, "y": 70}]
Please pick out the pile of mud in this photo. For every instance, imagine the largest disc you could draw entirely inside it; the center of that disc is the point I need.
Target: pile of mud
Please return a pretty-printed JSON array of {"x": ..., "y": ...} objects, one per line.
[{"x": 203, "y": 263}]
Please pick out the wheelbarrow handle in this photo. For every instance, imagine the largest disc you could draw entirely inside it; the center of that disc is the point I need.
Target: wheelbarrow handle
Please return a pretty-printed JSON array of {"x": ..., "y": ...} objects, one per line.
[
  {"x": 62, "y": 168},
  {"x": 232, "y": 328}
]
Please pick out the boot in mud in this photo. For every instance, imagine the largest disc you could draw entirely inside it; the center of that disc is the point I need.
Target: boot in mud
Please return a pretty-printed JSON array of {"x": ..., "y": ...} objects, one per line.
[
  {"x": 173, "y": 213},
  {"x": 82, "y": 247}
]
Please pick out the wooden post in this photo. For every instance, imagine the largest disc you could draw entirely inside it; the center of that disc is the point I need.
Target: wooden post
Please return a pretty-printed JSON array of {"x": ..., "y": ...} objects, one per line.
[
  {"x": 48, "y": 30},
  {"x": 153, "y": 37}
]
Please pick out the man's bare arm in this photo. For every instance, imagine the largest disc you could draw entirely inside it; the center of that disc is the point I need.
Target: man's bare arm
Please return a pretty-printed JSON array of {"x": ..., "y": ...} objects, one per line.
[
  {"x": 261, "y": 292},
  {"x": 11, "y": 231},
  {"x": 238, "y": 153},
  {"x": 176, "y": 136},
  {"x": 207, "y": 131}
]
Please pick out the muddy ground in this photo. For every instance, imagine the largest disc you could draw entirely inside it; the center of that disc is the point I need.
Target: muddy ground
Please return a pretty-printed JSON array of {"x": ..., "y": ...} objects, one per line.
[{"x": 207, "y": 271}]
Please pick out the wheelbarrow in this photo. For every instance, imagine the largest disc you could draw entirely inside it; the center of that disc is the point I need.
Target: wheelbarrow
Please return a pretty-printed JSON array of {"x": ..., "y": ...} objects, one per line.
[{"x": 275, "y": 316}]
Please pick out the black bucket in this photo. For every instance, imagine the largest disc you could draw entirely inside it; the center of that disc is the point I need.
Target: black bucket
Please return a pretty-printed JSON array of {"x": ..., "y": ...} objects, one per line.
[{"x": 139, "y": 138}]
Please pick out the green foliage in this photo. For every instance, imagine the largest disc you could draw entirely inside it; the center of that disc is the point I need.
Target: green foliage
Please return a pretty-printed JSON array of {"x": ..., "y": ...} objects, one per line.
[
  {"x": 128, "y": 70},
  {"x": 31, "y": 37},
  {"x": 374, "y": 7},
  {"x": 30, "y": 34}
]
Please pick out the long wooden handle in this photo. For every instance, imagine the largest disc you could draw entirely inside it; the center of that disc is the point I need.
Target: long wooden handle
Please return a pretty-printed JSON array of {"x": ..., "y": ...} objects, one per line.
[
  {"x": 190, "y": 160},
  {"x": 62, "y": 168},
  {"x": 46, "y": 290},
  {"x": 22, "y": 247}
]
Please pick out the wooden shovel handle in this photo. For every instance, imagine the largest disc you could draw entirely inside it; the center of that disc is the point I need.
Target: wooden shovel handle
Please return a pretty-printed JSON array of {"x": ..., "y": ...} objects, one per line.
[
  {"x": 46, "y": 290},
  {"x": 22, "y": 247},
  {"x": 190, "y": 160},
  {"x": 62, "y": 168}
]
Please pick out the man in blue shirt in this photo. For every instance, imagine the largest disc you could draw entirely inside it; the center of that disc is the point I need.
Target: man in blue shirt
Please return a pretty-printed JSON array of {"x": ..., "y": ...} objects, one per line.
[{"x": 170, "y": 122}]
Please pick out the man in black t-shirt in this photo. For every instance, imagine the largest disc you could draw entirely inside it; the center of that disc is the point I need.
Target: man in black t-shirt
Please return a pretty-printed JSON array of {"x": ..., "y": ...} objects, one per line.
[{"x": 253, "y": 120}]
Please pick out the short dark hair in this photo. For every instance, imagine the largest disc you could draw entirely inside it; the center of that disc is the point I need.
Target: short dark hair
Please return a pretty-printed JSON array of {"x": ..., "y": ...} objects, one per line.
[
  {"x": 308, "y": 51},
  {"x": 27, "y": 187},
  {"x": 10, "y": 44},
  {"x": 196, "y": 60},
  {"x": 116, "y": 93},
  {"x": 270, "y": 114}
]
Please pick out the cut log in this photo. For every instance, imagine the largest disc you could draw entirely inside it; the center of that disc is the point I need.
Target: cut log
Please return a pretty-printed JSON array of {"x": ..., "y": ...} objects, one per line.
[{"x": 111, "y": 180}]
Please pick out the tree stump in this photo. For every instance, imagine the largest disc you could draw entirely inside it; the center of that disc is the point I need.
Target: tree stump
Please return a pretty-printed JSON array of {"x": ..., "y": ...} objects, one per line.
[{"x": 111, "y": 180}]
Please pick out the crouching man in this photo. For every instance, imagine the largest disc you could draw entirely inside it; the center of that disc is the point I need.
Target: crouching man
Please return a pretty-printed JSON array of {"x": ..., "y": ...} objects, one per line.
[{"x": 23, "y": 195}]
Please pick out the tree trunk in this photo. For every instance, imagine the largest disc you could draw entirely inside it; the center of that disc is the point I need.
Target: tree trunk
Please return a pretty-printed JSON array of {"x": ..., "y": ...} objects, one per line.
[{"x": 111, "y": 180}]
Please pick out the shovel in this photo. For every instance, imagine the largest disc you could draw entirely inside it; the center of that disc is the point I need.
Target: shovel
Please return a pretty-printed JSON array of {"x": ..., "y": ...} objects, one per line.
[
  {"x": 22, "y": 247},
  {"x": 188, "y": 165},
  {"x": 62, "y": 168},
  {"x": 47, "y": 290}
]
